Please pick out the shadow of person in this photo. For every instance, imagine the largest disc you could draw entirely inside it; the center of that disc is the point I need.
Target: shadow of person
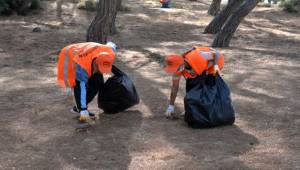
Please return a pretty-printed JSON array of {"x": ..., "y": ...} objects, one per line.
[
  {"x": 177, "y": 145},
  {"x": 105, "y": 146}
]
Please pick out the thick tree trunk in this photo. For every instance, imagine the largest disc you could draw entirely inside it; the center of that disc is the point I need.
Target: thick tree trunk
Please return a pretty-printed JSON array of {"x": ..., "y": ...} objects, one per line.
[
  {"x": 104, "y": 20},
  {"x": 214, "y": 7},
  {"x": 216, "y": 24},
  {"x": 223, "y": 38},
  {"x": 113, "y": 16},
  {"x": 119, "y": 5}
]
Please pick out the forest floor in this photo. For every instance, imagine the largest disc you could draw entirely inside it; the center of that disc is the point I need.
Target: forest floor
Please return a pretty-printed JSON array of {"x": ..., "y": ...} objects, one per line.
[{"x": 262, "y": 68}]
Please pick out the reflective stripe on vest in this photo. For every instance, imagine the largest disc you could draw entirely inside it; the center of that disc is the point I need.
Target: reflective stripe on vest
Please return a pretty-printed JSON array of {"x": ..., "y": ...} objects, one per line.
[
  {"x": 198, "y": 58},
  {"x": 206, "y": 55},
  {"x": 82, "y": 54},
  {"x": 66, "y": 63},
  {"x": 91, "y": 51},
  {"x": 209, "y": 56},
  {"x": 66, "y": 67}
]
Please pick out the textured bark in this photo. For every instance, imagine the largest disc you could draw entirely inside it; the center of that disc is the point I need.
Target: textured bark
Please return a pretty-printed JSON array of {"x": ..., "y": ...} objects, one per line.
[
  {"x": 216, "y": 24},
  {"x": 223, "y": 38},
  {"x": 214, "y": 7},
  {"x": 103, "y": 22},
  {"x": 113, "y": 16},
  {"x": 119, "y": 5}
]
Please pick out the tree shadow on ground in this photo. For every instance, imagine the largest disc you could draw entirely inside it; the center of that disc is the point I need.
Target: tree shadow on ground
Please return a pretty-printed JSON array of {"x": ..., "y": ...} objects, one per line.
[
  {"x": 277, "y": 54},
  {"x": 35, "y": 131},
  {"x": 279, "y": 18},
  {"x": 224, "y": 143},
  {"x": 38, "y": 133},
  {"x": 284, "y": 37},
  {"x": 106, "y": 146}
]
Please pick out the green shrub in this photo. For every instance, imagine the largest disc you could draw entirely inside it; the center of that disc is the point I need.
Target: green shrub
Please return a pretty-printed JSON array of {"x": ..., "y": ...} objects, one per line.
[
  {"x": 290, "y": 5},
  {"x": 21, "y": 7},
  {"x": 4, "y": 7},
  {"x": 35, "y": 4}
]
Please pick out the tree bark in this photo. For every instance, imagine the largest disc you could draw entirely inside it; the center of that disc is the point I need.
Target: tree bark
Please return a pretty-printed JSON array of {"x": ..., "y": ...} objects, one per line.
[
  {"x": 214, "y": 7},
  {"x": 223, "y": 38},
  {"x": 119, "y": 5},
  {"x": 216, "y": 24},
  {"x": 103, "y": 22},
  {"x": 114, "y": 7}
]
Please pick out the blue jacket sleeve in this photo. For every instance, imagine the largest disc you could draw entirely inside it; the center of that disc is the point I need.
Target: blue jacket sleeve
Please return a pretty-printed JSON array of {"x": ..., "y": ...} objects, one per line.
[{"x": 82, "y": 77}]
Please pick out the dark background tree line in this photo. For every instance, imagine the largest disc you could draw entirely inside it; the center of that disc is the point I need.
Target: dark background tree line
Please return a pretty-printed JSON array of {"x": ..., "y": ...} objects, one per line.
[
  {"x": 21, "y": 7},
  {"x": 223, "y": 25}
]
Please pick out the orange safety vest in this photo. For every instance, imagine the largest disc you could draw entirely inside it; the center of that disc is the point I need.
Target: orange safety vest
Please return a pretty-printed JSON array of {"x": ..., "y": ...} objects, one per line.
[
  {"x": 82, "y": 54},
  {"x": 199, "y": 62},
  {"x": 164, "y": 1}
]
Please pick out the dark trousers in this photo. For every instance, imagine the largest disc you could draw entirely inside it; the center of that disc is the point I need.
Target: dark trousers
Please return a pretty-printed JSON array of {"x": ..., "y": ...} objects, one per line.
[
  {"x": 94, "y": 85},
  {"x": 166, "y": 5}
]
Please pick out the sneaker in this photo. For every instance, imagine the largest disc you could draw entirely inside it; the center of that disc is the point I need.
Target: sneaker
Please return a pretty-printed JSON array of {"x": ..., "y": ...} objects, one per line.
[{"x": 76, "y": 111}]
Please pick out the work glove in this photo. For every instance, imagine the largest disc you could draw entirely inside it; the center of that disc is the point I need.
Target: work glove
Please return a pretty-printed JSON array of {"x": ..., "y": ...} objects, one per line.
[
  {"x": 85, "y": 117},
  {"x": 170, "y": 111}
]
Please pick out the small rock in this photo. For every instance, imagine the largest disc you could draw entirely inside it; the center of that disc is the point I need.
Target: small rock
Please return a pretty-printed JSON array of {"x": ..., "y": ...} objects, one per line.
[{"x": 37, "y": 29}]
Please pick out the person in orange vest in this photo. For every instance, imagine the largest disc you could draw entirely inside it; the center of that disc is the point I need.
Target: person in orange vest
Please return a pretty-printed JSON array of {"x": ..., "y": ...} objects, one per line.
[
  {"x": 190, "y": 65},
  {"x": 81, "y": 67}
]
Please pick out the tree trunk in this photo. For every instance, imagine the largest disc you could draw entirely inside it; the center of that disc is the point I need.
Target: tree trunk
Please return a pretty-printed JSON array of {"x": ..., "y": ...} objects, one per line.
[
  {"x": 119, "y": 5},
  {"x": 103, "y": 22},
  {"x": 216, "y": 24},
  {"x": 223, "y": 38},
  {"x": 114, "y": 7},
  {"x": 214, "y": 7}
]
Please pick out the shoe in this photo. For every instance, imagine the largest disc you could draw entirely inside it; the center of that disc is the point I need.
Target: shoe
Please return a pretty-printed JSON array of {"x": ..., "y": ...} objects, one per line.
[{"x": 75, "y": 111}]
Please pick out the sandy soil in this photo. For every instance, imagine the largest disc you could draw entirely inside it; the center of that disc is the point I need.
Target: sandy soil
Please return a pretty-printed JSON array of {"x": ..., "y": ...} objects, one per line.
[{"x": 262, "y": 69}]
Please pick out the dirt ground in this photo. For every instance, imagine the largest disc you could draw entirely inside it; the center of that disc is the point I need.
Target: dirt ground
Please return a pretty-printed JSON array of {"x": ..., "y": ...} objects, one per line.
[{"x": 262, "y": 69}]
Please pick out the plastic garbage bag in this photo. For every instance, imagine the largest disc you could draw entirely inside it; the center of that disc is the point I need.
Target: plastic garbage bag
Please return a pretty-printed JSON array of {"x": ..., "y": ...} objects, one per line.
[
  {"x": 118, "y": 93},
  {"x": 207, "y": 102}
]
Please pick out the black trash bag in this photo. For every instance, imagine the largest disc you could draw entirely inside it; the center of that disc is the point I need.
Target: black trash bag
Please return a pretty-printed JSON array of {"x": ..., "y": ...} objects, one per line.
[
  {"x": 208, "y": 103},
  {"x": 118, "y": 93}
]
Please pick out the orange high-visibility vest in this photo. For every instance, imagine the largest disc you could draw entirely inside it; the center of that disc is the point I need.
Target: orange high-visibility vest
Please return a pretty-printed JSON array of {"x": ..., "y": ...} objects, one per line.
[
  {"x": 82, "y": 54},
  {"x": 164, "y": 1},
  {"x": 198, "y": 60}
]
